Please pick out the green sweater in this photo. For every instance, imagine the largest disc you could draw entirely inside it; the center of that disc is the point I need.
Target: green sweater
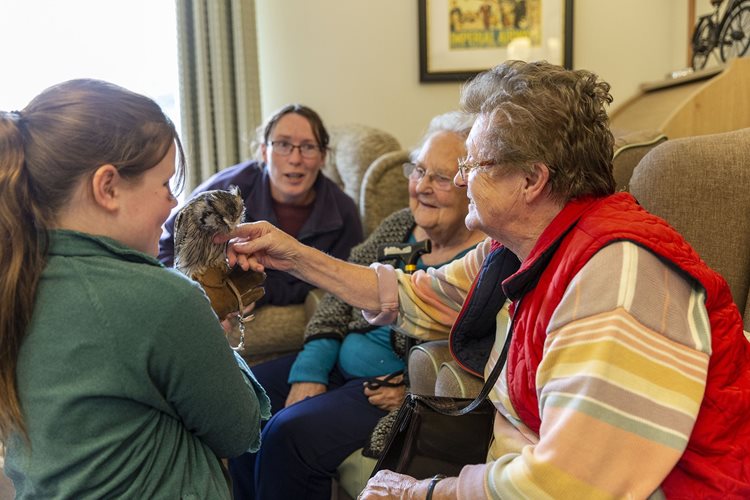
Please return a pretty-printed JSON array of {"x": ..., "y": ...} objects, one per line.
[{"x": 127, "y": 384}]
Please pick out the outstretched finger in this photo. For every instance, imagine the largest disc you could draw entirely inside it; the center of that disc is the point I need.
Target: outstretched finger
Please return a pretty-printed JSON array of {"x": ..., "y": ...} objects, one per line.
[
  {"x": 249, "y": 262},
  {"x": 246, "y": 248},
  {"x": 247, "y": 230}
]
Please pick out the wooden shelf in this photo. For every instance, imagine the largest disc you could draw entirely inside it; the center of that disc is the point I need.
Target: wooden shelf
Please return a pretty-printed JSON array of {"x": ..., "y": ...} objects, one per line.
[
  {"x": 689, "y": 77},
  {"x": 702, "y": 102}
]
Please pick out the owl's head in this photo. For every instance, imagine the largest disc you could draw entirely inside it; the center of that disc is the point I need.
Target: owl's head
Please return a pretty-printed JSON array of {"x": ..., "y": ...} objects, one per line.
[{"x": 218, "y": 211}]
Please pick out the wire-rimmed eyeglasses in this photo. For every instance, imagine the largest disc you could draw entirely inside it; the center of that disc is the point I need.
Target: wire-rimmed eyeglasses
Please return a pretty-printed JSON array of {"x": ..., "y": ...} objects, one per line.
[
  {"x": 416, "y": 172},
  {"x": 465, "y": 166},
  {"x": 306, "y": 149}
]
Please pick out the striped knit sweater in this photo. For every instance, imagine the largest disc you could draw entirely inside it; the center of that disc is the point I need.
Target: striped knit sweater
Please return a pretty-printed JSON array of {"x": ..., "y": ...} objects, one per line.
[
  {"x": 519, "y": 464},
  {"x": 619, "y": 384}
]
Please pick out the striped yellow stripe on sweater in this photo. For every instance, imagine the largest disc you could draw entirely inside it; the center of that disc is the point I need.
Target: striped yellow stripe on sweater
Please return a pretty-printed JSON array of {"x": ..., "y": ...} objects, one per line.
[{"x": 619, "y": 385}]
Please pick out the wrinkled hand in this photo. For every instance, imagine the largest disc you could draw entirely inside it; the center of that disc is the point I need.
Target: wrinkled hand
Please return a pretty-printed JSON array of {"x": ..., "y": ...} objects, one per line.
[
  {"x": 257, "y": 245},
  {"x": 388, "y": 484},
  {"x": 303, "y": 390},
  {"x": 387, "y": 398}
]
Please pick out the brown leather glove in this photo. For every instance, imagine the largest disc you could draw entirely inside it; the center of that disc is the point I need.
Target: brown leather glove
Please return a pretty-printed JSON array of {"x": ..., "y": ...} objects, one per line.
[{"x": 231, "y": 291}]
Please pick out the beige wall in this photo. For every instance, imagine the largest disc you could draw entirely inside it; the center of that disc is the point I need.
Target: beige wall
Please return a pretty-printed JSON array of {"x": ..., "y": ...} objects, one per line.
[{"x": 357, "y": 60}]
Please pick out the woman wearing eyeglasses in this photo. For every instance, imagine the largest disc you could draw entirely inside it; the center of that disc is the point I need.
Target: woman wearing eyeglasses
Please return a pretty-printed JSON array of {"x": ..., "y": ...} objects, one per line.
[
  {"x": 287, "y": 189},
  {"x": 328, "y": 398},
  {"x": 627, "y": 371}
]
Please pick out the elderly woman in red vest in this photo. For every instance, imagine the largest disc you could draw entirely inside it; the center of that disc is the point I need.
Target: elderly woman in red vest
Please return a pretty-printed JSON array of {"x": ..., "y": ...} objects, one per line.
[{"x": 628, "y": 374}]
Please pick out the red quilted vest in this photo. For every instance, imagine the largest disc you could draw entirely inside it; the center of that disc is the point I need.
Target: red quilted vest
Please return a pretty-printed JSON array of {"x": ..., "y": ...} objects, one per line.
[{"x": 717, "y": 459}]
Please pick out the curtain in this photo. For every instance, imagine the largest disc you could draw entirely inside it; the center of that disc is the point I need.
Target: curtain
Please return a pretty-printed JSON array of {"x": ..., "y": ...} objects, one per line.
[{"x": 219, "y": 89}]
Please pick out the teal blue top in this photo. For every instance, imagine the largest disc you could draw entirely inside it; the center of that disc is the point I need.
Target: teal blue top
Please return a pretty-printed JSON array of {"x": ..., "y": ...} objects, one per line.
[
  {"x": 127, "y": 384},
  {"x": 367, "y": 354}
]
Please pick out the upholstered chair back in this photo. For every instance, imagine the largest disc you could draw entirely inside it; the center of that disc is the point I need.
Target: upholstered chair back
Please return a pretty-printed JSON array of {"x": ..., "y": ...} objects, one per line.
[
  {"x": 366, "y": 163},
  {"x": 629, "y": 149},
  {"x": 701, "y": 186}
]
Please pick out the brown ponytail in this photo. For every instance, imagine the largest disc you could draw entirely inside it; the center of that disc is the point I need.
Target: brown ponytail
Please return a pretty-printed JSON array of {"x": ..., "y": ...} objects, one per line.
[
  {"x": 62, "y": 136},
  {"x": 21, "y": 259}
]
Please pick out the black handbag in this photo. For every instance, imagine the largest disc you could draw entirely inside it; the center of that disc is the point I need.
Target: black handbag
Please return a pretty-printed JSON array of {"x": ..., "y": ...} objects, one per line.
[{"x": 439, "y": 435}]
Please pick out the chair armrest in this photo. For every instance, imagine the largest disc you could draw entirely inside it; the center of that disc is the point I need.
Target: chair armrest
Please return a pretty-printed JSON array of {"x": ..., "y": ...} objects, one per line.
[
  {"x": 433, "y": 371},
  {"x": 275, "y": 331},
  {"x": 454, "y": 381},
  {"x": 424, "y": 363}
]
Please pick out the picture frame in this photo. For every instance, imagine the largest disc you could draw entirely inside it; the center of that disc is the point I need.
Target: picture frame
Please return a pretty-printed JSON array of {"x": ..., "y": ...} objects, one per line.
[{"x": 460, "y": 38}]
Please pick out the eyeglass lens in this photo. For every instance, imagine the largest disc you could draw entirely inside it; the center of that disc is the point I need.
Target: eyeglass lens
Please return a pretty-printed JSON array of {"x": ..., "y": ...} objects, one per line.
[
  {"x": 285, "y": 148},
  {"x": 417, "y": 173}
]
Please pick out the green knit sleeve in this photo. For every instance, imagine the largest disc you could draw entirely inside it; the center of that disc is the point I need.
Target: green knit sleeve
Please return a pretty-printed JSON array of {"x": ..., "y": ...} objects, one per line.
[{"x": 197, "y": 374}]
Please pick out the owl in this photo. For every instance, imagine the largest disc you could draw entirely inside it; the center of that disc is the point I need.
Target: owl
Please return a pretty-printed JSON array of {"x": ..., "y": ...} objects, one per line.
[{"x": 203, "y": 217}]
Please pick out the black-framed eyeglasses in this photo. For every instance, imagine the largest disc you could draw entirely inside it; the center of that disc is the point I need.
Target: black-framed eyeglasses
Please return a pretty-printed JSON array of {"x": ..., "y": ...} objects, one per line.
[
  {"x": 416, "y": 172},
  {"x": 465, "y": 166},
  {"x": 306, "y": 149}
]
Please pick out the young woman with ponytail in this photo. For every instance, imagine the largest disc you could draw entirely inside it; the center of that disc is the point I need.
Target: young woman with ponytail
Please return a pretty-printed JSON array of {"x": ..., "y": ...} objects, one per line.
[{"x": 115, "y": 376}]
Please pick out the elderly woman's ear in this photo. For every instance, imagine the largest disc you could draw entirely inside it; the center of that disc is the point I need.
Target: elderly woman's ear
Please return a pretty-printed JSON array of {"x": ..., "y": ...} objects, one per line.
[{"x": 537, "y": 181}]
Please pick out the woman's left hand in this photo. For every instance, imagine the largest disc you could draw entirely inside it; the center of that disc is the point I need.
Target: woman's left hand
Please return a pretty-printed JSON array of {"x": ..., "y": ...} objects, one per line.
[
  {"x": 387, "y": 398},
  {"x": 389, "y": 484}
]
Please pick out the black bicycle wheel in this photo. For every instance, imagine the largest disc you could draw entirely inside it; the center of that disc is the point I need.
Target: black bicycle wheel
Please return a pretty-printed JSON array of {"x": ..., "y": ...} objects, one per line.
[
  {"x": 703, "y": 42},
  {"x": 735, "y": 33}
]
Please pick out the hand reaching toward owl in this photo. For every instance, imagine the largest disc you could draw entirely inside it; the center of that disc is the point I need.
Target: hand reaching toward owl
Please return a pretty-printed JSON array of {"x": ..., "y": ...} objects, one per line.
[{"x": 260, "y": 245}]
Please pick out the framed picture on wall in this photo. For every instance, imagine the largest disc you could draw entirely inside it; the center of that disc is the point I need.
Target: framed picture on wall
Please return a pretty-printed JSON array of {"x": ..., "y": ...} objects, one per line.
[{"x": 460, "y": 38}]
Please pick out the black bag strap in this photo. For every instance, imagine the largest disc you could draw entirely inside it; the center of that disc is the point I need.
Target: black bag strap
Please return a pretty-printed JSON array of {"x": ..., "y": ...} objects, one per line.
[{"x": 488, "y": 385}]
